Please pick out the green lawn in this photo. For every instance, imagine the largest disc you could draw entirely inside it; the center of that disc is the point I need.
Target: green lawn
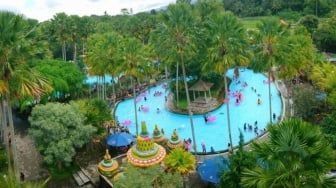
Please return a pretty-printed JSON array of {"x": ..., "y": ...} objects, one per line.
[{"x": 251, "y": 22}]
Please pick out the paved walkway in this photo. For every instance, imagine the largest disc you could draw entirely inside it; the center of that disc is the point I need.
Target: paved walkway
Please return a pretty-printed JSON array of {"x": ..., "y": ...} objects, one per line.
[{"x": 29, "y": 159}]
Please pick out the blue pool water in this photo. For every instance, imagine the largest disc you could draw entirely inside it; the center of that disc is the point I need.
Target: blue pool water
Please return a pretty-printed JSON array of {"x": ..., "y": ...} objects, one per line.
[{"x": 212, "y": 133}]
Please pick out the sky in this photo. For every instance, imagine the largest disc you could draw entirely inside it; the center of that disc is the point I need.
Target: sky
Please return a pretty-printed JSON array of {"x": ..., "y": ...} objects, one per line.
[{"x": 43, "y": 10}]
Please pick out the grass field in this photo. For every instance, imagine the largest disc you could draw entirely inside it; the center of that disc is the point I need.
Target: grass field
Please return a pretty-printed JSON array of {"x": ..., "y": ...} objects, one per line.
[{"x": 251, "y": 22}]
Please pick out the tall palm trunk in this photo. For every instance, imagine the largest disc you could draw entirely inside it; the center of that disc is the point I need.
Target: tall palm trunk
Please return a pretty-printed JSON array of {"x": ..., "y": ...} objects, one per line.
[
  {"x": 12, "y": 132},
  {"x": 4, "y": 133},
  {"x": 63, "y": 50},
  {"x": 188, "y": 102},
  {"x": 270, "y": 95},
  {"x": 135, "y": 107},
  {"x": 8, "y": 130},
  {"x": 75, "y": 52},
  {"x": 228, "y": 112},
  {"x": 177, "y": 81},
  {"x": 114, "y": 97}
]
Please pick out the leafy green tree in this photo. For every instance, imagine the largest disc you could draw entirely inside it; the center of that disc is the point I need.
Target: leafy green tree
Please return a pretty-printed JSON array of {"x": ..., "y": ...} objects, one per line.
[
  {"x": 310, "y": 22},
  {"x": 66, "y": 78},
  {"x": 323, "y": 76},
  {"x": 238, "y": 161},
  {"x": 305, "y": 102},
  {"x": 153, "y": 176},
  {"x": 96, "y": 111},
  {"x": 295, "y": 155},
  {"x": 325, "y": 35},
  {"x": 328, "y": 127},
  {"x": 60, "y": 133},
  {"x": 228, "y": 47},
  {"x": 18, "y": 45}
]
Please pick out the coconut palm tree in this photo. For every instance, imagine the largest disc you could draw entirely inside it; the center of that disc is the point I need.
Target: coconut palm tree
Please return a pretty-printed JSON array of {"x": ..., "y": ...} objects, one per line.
[
  {"x": 295, "y": 155},
  {"x": 177, "y": 35},
  {"x": 229, "y": 47},
  {"x": 18, "y": 45}
]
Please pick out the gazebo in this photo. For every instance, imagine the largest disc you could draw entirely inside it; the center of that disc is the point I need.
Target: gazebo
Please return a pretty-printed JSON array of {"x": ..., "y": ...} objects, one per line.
[{"x": 201, "y": 86}]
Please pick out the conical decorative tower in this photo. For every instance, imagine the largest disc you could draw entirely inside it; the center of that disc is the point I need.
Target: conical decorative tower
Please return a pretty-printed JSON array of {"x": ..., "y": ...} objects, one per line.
[
  {"x": 145, "y": 152},
  {"x": 157, "y": 135},
  {"x": 108, "y": 166},
  {"x": 175, "y": 141}
]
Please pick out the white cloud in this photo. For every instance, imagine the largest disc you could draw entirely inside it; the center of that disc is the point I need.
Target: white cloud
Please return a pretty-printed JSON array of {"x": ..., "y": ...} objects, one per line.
[{"x": 45, "y": 9}]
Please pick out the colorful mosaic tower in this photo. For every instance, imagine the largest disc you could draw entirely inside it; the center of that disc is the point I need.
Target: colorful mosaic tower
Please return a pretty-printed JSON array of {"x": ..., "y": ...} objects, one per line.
[
  {"x": 145, "y": 152},
  {"x": 175, "y": 141},
  {"x": 108, "y": 166}
]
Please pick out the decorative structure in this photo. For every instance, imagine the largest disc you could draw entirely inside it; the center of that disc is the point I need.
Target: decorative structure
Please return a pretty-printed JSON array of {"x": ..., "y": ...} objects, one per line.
[
  {"x": 108, "y": 167},
  {"x": 201, "y": 86},
  {"x": 145, "y": 152},
  {"x": 157, "y": 135},
  {"x": 144, "y": 132},
  {"x": 174, "y": 141}
]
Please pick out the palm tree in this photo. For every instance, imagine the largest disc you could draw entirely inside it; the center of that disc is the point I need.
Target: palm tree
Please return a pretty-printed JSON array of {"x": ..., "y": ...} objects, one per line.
[
  {"x": 275, "y": 46},
  {"x": 59, "y": 27},
  {"x": 180, "y": 161},
  {"x": 132, "y": 59},
  {"x": 103, "y": 57},
  {"x": 295, "y": 155},
  {"x": 238, "y": 161},
  {"x": 269, "y": 46},
  {"x": 228, "y": 47},
  {"x": 11, "y": 181},
  {"x": 153, "y": 176},
  {"x": 177, "y": 36},
  {"x": 16, "y": 79}
]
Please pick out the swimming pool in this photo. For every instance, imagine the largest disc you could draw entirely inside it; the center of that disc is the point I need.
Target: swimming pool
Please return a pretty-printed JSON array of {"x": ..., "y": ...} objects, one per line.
[{"x": 214, "y": 133}]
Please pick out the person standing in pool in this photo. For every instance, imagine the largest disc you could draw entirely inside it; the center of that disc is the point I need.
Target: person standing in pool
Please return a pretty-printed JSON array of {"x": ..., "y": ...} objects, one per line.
[
  {"x": 203, "y": 147},
  {"x": 205, "y": 118}
]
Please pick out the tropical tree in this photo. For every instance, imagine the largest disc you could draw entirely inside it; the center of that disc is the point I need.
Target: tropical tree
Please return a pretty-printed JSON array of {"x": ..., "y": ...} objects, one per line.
[
  {"x": 176, "y": 33},
  {"x": 270, "y": 49},
  {"x": 323, "y": 76},
  {"x": 17, "y": 46},
  {"x": 104, "y": 57},
  {"x": 61, "y": 133},
  {"x": 60, "y": 30},
  {"x": 229, "y": 47},
  {"x": 180, "y": 161},
  {"x": 95, "y": 110},
  {"x": 324, "y": 35},
  {"x": 65, "y": 78},
  {"x": 153, "y": 176},
  {"x": 11, "y": 181},
  {"x": 132, "y": 66},
  {"x": 238, "y": 161},
  {"x": 295, "y": 155}
]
